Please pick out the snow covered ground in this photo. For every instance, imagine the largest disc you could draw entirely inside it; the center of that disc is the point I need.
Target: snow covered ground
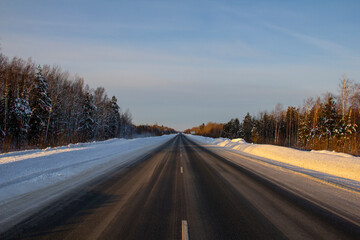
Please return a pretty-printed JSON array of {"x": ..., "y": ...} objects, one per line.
[
  {"x": 337, "y": 168},
  {"x": 30, "y": 179}
]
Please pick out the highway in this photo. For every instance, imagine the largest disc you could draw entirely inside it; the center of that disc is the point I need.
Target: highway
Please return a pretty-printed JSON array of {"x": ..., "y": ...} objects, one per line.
[{"x": 183, "y": 190}]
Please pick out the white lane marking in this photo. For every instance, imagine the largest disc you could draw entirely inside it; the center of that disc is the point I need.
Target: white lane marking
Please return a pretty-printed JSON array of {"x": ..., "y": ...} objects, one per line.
[
  {"x": 184, "y": 230},
  {"x": 181, "y": 170}
]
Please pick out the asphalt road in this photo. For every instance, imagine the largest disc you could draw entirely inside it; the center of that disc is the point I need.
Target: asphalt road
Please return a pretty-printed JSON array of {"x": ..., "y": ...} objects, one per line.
[{"x": 185, "y": 190}]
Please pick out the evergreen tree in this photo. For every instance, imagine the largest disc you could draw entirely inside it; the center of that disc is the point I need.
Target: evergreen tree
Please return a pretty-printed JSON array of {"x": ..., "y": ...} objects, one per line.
[
  {"x": 40, "y": 104},
  {"x": 304, "y": 132},
  {"x": 345, "y": 131},
  {"x": 225, "y": 131},
  {"x": 329, "y": 120},
  {"x": 87, "y": 122},
  {"x": 232, "y": 129},
  {"x": 235, "y": 128},
  {"x": 114, "y": 118},
  {"x": 264, "y": 128},
  {"x": 19, "y": 114},
  {"x": 247, "y": 126}
]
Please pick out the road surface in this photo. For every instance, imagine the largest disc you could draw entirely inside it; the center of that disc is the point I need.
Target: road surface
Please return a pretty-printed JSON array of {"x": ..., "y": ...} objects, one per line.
[{"x": 186, "y": 191}]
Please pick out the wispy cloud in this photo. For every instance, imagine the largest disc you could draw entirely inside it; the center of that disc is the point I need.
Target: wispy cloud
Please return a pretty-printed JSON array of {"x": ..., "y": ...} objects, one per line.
[
  {"x": 224, "y": 49},
  {"x": 326, "y": 45},
  {"x": 94, "y": 25}
]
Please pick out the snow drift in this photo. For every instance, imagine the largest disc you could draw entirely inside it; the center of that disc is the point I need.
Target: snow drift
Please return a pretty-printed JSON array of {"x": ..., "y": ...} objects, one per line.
[{"x": 337, "y": 164}]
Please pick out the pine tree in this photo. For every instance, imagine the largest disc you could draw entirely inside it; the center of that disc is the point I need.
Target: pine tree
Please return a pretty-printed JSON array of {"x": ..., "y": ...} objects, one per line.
[
  {"x": 304, "y": 132},
  {"x": 87, "y": 122},
  {"x": 114, "y": 118},
  {"x": 329, "y": 121},
  {"x": 345, "y": 131},
  {"x": 264, "y": 128},
  {"x": 40, "y": 104},
  {"x": 235, "y": 128},
  {"x": 226, "y": 130},
  {"x": 19, "y": 114},
  {"x": 350, "y": 132},
  {"x": 247, "y": 126},
  {"x": 232, "y": 129}
]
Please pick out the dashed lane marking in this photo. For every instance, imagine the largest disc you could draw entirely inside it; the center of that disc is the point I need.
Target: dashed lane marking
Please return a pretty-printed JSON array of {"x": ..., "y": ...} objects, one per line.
[{"x": 184, "y": 230}]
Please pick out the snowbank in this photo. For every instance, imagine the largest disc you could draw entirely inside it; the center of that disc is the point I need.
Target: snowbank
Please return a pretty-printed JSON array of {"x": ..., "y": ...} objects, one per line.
[
  {"x": 29, "y": 179},
  {"x": 332, "y": 163}
]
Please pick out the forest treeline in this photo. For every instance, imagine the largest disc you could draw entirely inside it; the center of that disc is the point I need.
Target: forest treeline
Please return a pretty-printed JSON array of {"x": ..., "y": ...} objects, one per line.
[
  {"x": 211, "y": 129},
  {"x": 153, "y": 130},
  {"x": 330, "y": 122},
  {"x": 45, "y": 106}
]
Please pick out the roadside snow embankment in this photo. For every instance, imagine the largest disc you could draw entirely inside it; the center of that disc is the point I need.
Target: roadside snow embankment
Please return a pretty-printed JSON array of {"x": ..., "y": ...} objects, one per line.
[
  {"x": 336, "y": 164},
  {"x": 30, "y": 179}
]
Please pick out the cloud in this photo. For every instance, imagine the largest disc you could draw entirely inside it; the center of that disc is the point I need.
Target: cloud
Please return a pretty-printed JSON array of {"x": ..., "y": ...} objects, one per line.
[{"x": 326, "y": 45}]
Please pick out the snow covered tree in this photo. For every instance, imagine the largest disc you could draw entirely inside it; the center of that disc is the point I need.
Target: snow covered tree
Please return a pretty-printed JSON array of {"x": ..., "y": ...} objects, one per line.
[
  {"x": 74, "y": 105},
  {"x": 126, "y": 126},
  {"x": 100, "y": 100},
  {"x": 40, "y": 104},
  {"x": 19, "y": 114},
  {"x": 232, "y": 129},
  {"x": 87, "y": 122},
  {"x": 305, "y": 124},
  {"x": 58, "y": 107},
  {"x": 345, "y": 132},
  {"x": 350, "y": 130},
  {"x": 114, "y": 118},
  {"x": 328, "y": 121}
]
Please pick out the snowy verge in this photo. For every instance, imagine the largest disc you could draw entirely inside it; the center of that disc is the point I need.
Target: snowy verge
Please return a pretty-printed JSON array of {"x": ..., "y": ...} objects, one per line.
[
  {"x": 32, "y": 179},
  {"x": 325, "y": 163}
]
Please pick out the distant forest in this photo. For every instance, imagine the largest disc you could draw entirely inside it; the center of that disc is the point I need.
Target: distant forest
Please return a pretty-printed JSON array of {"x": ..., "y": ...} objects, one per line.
[
  {"x": 322, "y": 123},
  {"x": 45, "y": 106},
  {"x": 153, "y": 130}
]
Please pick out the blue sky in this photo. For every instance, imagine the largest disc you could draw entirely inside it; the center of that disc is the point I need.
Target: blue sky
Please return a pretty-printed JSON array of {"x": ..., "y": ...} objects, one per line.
[{"x": 182, "y": 63}]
